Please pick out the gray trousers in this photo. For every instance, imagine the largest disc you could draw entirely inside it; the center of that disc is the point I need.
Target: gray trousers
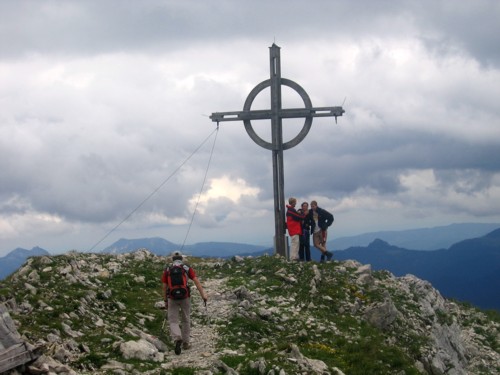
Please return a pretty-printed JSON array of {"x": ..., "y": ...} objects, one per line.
[{"x": 179, "y": 320}]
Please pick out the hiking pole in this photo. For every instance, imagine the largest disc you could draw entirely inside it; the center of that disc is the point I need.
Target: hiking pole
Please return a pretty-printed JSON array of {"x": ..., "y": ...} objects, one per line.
[
  {"x": 206, "y": 311},
  {"x": 164, "y": 321}
]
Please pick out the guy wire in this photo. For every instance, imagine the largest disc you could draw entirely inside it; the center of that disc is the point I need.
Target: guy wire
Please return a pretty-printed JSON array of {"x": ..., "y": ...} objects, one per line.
[
  {"x": 155, "y": 190},
  {"x": 201, "y": 190}
]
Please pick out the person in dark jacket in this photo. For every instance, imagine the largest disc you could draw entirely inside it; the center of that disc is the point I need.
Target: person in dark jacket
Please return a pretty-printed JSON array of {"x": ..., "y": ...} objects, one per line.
[
  {"x": 305, "y": 238},
  {"x": 321, "y": 219}
]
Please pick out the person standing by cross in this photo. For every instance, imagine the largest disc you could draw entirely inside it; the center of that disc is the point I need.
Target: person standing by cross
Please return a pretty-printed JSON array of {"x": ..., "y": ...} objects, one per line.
[
  {"x": 294, "y": 226},
  {"x": 321, "y": 219},
  {"x": 305, "y": 243}
]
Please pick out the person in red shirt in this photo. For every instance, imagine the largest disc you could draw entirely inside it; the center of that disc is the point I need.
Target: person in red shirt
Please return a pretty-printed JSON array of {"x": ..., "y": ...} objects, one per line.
[
  {"x": 294, "y": 226},
  {"x": 180, "y": 307}
]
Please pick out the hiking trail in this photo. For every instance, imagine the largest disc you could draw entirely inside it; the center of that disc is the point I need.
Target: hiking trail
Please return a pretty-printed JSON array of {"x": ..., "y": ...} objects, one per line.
[{"x": 203, "y": 352}]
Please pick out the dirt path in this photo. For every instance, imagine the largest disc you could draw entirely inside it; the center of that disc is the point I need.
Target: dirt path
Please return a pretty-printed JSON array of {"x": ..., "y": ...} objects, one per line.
[{"x": 203, "y": 328}]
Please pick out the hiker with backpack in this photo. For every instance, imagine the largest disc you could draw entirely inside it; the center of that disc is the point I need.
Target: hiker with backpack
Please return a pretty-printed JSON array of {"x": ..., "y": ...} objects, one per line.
[{"x": 176, "y": 294}]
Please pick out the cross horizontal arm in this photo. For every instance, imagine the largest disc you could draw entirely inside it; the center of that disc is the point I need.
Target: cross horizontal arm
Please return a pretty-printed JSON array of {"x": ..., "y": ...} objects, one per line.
[{"x": 266, "y": 114}]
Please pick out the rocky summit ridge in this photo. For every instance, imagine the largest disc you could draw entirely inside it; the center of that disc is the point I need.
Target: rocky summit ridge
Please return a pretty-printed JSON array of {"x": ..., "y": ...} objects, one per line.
[{"x": 102, "y": 314}]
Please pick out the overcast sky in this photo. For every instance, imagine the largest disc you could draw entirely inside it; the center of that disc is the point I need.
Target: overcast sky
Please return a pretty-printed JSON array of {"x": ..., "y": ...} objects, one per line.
[{"x": 102, "y": 103}]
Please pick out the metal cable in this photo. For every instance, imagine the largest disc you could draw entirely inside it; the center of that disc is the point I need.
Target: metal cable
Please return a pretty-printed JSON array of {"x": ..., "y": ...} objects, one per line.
[
  {"x": 156, "y": 190},
  {"x": 201, "y": 190}
]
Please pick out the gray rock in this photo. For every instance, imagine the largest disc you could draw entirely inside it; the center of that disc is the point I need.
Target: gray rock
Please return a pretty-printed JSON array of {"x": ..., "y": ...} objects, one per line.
[
  {"x": 238, "y": 259},
  {"x": 228, "y": 370},
  {"x": 53, "y": 338},
  {"x": 160, "y": 345},
  {"x": 115, "y": 365},
  {"x": 31, "y": 288},
  {"x": 381, "y": 315},
  {"x": 364, "y": 269},
  {"x": 45, "y": 364},
  {"x": 243, "y": 293},
  {"x": 265, "y": 313},
  {"x": 245, "y": 304},
  {"x": 33, "y": 276},
  {"x": 67, "y": 329},
  {"x": 312, "y": 366},
  {"x": 142, "y": 350}
]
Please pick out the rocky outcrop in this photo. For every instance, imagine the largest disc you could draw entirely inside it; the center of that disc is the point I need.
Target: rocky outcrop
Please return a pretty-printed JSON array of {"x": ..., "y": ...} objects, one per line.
[
  {"x": 14, "y": 351},
  {"x": 95, "y": 313}
]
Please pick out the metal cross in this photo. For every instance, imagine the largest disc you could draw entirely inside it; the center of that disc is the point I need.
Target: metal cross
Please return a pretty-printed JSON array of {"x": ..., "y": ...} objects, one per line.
[{"x": 277, "y": 146}]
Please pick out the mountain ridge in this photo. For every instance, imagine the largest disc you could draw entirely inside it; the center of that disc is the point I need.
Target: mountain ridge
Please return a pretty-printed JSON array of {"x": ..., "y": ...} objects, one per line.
[
  {"x": 102, "y": 313},
  {"x": 160, "y": 246},
  {"x": 468, "y": 271},
  {"x": 433, "y": 238},
  {"x": 16, "y": 258},
  {"x": 476, "y": 286}
]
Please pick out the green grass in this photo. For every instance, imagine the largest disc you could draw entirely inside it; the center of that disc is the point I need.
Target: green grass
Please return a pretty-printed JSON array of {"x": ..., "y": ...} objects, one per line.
[{"x": 359, "y": 348}]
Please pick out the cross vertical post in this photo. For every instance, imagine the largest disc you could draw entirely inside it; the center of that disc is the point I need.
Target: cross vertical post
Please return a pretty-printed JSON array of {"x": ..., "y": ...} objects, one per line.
[
  {"x": 276, "y": 114},
  {"x": 277, "y": 140}
]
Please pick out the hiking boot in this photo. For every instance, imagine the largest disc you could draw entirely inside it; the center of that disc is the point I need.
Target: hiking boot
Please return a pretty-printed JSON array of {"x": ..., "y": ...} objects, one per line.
[
  {"x": 329, "y": 256},
  {"x": 322, "y": 258},
  {"x": 178, "y": 348},
  {"x": 186, "y": 345}
]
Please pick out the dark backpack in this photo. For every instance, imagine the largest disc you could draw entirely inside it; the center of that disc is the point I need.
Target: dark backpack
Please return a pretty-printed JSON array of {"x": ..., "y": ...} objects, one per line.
[{"x": 177, "y": 278}]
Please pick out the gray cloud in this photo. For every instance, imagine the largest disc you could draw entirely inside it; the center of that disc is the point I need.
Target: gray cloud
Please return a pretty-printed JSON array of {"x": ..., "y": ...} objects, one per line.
[{"x": 101, "y": 103}]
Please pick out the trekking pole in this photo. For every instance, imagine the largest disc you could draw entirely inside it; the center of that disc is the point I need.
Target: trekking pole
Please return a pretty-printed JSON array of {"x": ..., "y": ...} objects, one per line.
[
  {"x": 164, "y": 321},
  {"x": 206, "y": 310}
]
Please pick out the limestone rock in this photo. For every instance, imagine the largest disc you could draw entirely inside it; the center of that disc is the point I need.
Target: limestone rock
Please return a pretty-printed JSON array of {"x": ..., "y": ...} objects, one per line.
[
  {"x": 381, "y": 315},
  {"x": 142, "y": 350}
]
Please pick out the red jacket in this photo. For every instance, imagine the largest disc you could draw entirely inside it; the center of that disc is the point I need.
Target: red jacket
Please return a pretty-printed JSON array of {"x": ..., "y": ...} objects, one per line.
[{"x": 293, "y": 221}]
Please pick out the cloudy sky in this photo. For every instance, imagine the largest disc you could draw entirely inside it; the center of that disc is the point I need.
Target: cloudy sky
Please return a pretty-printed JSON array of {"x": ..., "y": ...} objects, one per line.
[{"x": 104, "y": 128}]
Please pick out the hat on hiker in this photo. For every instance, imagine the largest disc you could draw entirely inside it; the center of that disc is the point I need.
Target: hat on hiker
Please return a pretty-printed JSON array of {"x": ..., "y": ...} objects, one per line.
[{"x": 176, "y": 255}]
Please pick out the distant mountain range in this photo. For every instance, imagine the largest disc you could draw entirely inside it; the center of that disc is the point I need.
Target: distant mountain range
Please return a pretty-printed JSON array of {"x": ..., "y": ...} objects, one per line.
[
  {"x": 16, "y": 258},
  {"x": 420, "y": 239},
  {"x": 468, "y": 271},
  {"x": 160, "y": 246},
  {"x": 435, "y": 238}
]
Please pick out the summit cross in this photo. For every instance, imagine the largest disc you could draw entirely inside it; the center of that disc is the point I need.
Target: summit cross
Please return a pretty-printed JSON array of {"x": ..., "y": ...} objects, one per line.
[{"x": 277, "y": 146}]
